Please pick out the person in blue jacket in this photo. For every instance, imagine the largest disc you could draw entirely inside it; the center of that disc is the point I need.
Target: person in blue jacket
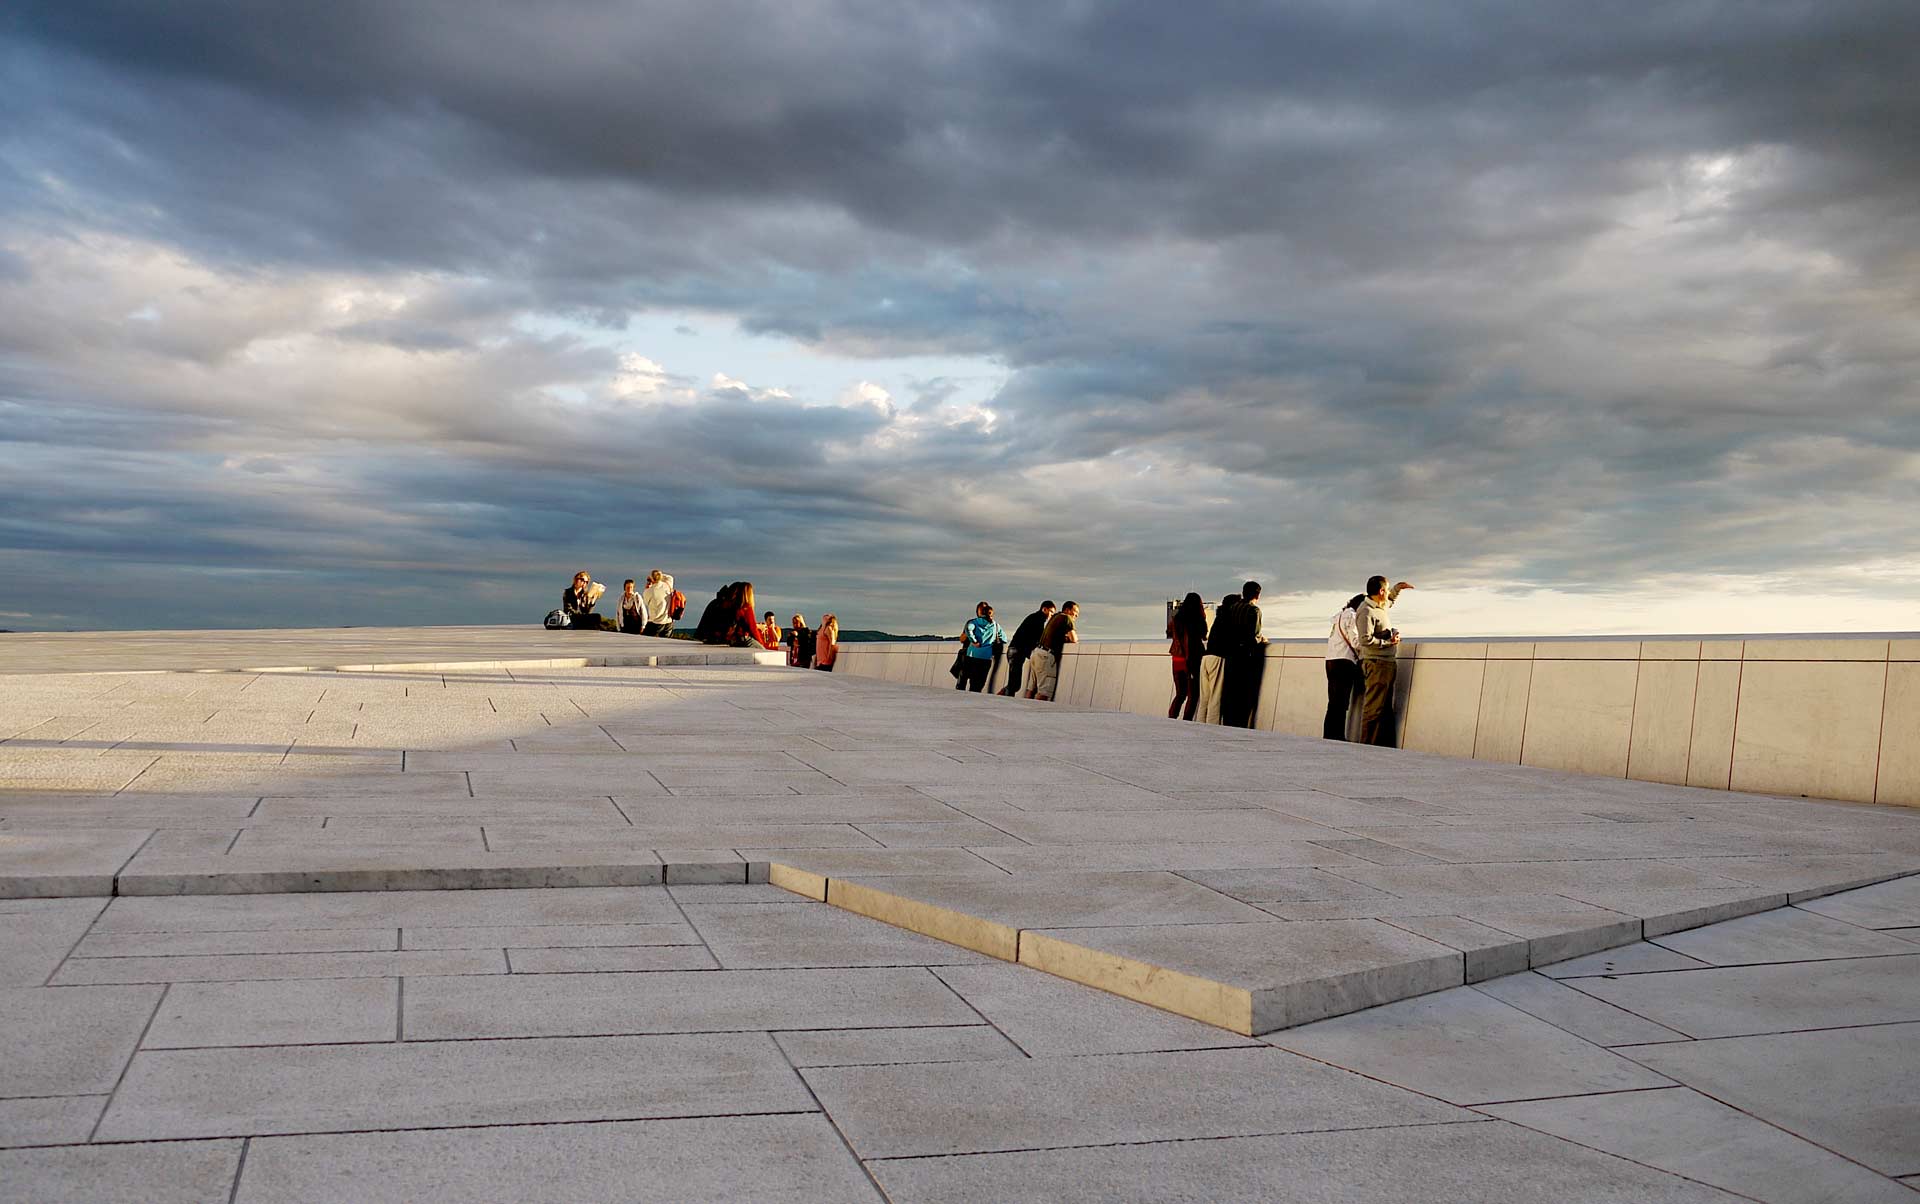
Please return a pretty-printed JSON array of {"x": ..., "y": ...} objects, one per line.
[{"x": 983, "y": 639}]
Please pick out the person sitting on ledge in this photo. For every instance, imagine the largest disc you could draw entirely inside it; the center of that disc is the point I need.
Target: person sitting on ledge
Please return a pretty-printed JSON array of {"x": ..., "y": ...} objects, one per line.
[
  {"x": 743, "y": 632},
  {"x": 655, "y": 600},
  {"x": 718, "y": 616},
  {"x": 632, "y": 611},
  {"x": 738, "y": 626},
  {"x": 579, "y": 599}
]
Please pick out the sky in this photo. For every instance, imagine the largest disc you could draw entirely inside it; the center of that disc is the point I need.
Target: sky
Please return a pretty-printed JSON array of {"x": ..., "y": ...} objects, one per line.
[{"x": 1584, "y": 317}]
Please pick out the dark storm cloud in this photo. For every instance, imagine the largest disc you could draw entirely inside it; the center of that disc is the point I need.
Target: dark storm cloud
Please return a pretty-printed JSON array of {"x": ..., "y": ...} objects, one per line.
[{"x": 1562, "y": 293}]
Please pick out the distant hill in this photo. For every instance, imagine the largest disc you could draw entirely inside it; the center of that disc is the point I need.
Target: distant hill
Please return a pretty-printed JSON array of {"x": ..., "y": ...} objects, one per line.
[{"x": 887, "y": 637}]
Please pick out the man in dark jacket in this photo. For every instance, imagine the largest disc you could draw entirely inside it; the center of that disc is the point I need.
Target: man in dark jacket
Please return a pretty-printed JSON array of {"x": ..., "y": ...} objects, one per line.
[
  {"x": 1025, "y": 638},
  {"x": 1244, "y": 651}
]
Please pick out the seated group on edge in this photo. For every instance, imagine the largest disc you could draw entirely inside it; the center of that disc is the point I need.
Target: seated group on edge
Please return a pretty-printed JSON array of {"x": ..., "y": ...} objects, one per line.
[
  {"x": 727, "y": 621},
  {"x": 648, "y": 611}
]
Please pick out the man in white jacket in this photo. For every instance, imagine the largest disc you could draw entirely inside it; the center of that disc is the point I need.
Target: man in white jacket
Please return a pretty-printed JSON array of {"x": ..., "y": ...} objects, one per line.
[
  {"x": 1343, "y": 669},
  {"x": 654, "y": 599}
]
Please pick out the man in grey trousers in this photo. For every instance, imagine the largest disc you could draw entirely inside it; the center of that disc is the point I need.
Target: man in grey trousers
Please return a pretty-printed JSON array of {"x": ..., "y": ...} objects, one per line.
[{"x": 1379, "y": 665}]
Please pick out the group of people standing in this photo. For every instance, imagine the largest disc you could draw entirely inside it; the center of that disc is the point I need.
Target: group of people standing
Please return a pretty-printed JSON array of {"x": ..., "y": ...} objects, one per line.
[
  {"x": 1363, "y": 658},
  {"x": 1032, "y": 653},
  {"x": 807, "y": 647},
  {"x": 1217, "y": 668}
]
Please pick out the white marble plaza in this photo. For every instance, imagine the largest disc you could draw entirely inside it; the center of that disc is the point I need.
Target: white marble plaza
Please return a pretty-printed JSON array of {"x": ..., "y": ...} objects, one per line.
[{"x": 247, "y": 952}]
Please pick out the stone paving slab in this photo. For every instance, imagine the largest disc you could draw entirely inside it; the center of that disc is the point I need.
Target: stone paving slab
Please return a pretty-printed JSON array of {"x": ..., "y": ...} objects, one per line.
[
  {"x": 1689, "y": 1134},
  {"x": 1850, "y": 1090},
  {"x": 1564, "y": 1007},
  {"x": 973, "y": 1107},
  {"x": 1250, "y": 978},
  {"x": 1366, "y": 1166},
  {"x": 238, "y": 1012},
  {"x": 336, "y": 1088},
  {"x": 699, "y": 1001},
  {"x": 70, "y": 1042},
  {"x": 174, "y": 1172},
  {"x": 1738, "y": 1000},
  {"x": 49, "y": 1120},
  {"x": 609, "y": 959},
  {"x": 770, "y": 1159},
  {"x": 94, "y": 971},
  {"x": 1050, "y": 1017},
  {"x": 897, "y": 1046},
  {"x": 37, "y": 934},
  {"x": 1467, "y": 1047}
]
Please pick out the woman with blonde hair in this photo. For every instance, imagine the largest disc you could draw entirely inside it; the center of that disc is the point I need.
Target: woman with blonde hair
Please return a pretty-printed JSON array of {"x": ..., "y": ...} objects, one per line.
[
  {"x": 799, "y": 643},
  {"x": 826, "y": 644},
  {"x": 656, "y": 608}
]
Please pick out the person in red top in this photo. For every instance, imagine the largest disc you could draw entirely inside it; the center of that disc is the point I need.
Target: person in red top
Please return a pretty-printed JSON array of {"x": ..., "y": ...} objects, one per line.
[
  {"x": 747, "y": 627},
  {"x": 1187, "y": 629}
]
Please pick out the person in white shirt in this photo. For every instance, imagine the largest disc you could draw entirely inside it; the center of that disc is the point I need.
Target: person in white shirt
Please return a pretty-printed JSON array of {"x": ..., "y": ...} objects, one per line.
[
  {"x": 654, "y": 598},
  {"x": 632, "y": 614},
  {"x": 1343, "y": 668}
]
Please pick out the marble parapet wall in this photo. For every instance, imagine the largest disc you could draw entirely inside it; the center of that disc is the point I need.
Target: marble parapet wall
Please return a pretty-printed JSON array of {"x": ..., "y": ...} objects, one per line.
[{"x": 1827, "y": 716}]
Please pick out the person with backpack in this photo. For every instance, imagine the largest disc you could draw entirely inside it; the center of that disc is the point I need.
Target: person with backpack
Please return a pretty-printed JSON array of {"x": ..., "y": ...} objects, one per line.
[
  {"x": 657, "y": 603},
  {"x": 981, "y": 639}
]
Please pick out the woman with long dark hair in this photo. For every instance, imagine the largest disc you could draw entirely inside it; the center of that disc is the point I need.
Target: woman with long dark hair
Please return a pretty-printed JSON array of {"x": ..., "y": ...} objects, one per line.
[
  {"x": 1187, "y": 631},
  {"x": 717, "y": 619}
]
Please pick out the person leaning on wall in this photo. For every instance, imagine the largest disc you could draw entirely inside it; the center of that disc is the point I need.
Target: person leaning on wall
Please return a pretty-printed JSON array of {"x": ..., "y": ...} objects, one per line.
[
  {"x": 1043, "y": 668},
  {"x": 1245, "y": 652},
  {"x": 1187, "y": 641},
  {"x": 1213, "y": 664},
  {"x": 1343, "y": 668},
  {"x": 826, "y": 645},
  {"x": 980, "y": 640},
  {"x": 1379, "y": 660},
  {"x": 1025, "y": 639}
]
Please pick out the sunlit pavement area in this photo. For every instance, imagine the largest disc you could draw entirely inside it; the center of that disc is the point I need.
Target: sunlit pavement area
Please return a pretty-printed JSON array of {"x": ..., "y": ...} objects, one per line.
[{"x": 261, "y": 969}]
